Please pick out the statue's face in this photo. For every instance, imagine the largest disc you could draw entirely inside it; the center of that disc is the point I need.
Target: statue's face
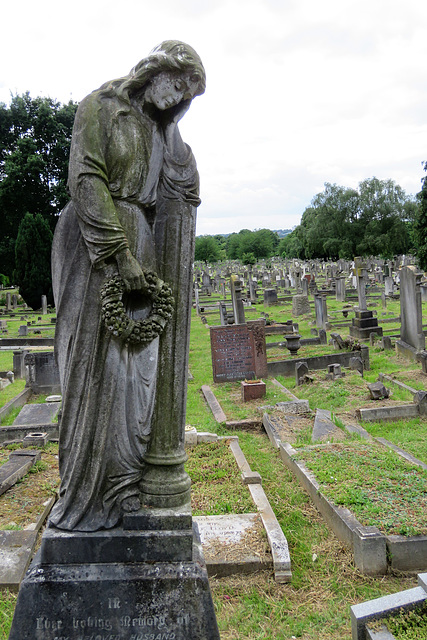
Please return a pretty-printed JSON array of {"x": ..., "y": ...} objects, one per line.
[{"x": 167, "y": 89}]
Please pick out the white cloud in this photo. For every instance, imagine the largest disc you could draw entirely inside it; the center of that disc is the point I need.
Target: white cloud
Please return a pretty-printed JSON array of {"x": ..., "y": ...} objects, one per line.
[{"x": 299, "y": 93}]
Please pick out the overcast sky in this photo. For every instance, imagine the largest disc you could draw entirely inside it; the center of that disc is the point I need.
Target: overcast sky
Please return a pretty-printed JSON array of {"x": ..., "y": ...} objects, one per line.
[{"x": 299, "y": 93}]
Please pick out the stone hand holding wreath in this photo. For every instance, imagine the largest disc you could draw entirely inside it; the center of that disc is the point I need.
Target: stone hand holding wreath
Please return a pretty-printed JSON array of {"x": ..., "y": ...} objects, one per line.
[{"x": 132, "y": 277}]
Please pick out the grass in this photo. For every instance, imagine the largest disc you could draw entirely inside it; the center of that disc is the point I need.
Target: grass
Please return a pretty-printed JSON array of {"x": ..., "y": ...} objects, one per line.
[
  {"x": 325, "y": 582},
  {"x": 11, "y": 391},
  {"x": 217, "y": 488},
  {"x": 378, "y": 486}
]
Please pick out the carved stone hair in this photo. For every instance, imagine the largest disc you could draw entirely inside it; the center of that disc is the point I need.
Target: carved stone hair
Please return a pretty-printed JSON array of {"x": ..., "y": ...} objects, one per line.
[{"x": 170, "y": 55}]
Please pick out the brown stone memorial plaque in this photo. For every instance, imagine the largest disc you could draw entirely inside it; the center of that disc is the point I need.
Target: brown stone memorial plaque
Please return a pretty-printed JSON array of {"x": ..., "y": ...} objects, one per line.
[{"x": 232, "y": 353}]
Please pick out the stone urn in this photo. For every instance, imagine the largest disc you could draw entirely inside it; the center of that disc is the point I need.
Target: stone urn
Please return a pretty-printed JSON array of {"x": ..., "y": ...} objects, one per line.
[{"x": 293, "y": 343}]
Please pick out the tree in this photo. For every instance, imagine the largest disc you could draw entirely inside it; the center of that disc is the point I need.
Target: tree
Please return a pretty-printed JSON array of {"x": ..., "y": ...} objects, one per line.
[
  {"x": 340, "y": 222},
  {"x": 262, "y": 243},
  {"x": 420, "y": 224},
  {"x": 207, "y": 249},
  {"x": 32, "y": 254},
  {"x": 35, "y": 137}
]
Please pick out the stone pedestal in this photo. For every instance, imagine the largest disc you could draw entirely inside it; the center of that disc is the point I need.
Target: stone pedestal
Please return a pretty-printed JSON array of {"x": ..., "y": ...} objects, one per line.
[
  {"x": 363, "y": 325},
  {"x": 121, "y": 584}
]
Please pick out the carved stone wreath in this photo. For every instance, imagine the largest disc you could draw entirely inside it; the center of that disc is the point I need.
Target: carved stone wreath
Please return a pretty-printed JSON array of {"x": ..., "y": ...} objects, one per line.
[{"x": 123, "y": 327}]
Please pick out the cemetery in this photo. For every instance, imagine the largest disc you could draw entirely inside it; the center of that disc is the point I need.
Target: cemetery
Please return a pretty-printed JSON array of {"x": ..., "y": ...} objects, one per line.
[{"x": 306, "y": 443}]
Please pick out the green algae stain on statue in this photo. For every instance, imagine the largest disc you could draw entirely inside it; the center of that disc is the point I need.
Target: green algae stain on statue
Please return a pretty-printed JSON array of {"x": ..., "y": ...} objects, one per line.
[{"x": 122, "y": 272}]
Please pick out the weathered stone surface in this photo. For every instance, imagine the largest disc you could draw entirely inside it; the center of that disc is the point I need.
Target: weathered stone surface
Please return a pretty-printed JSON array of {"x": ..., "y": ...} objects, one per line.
[
  {"x": 253, "y": 390},
  {"x": 121, "y": 600},
  {"x": 323, "y": 428},
  {"x": 378, "y": 391},
  {"x": 232, "y": 353},
  {"x": 232, "y": 544},
  {"x": 300, "y": 305},
  {"x": 16, "y": 549},
  {"x": 37, "y": 413},
  {"x": 16, "y": 467}
]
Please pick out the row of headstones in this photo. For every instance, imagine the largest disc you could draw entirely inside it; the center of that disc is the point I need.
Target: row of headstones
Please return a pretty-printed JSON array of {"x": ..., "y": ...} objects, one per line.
[{"x": 12, "y": 302}]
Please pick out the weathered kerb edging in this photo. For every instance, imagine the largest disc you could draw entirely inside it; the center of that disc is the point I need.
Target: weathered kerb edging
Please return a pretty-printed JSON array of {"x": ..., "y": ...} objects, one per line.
[
  {"x": 275, "y": 536},
  {"x": 287, "y": 367},
  {"x": 373, "y": 610},
  {"x": 374, "y": 553}
]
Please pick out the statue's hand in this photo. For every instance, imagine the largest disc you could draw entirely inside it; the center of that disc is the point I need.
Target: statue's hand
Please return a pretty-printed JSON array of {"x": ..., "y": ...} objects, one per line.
[{"x": 130, "y": 271}]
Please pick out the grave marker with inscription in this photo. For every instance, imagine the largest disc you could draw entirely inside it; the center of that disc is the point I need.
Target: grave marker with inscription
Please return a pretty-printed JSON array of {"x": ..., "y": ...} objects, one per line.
[{"x": 238, "y": 351}]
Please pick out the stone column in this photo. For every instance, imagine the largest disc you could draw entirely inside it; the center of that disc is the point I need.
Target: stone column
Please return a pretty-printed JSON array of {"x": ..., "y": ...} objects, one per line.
[
  {"x": 321, "y": 311},
  {"x": 361, "y": 279},
  {"x": 236, "y": 299},
  {"x": 340, "y": 289},
  {"x": 165, "y": 483},
  {"x": 44, "y": 305}
]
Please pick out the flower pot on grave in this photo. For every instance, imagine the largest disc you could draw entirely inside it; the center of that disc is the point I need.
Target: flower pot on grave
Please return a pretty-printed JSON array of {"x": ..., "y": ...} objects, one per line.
[
  {"x": 252, "y": 390},
  {"x": 293, "y": 343}
]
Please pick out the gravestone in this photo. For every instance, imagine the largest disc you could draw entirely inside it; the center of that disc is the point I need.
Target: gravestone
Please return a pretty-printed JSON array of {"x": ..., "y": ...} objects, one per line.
[
  {"x": 8, "y": 301},
  {"x": 364, "y": 323},
  {"x": 411, "y": 315},
  {"x": 300, "y": 305},
  {"x": 301, "y": 371},
  {"x": 321, "y": 311},
  {"x": 44, "y": 305},
  {"x": 340, "y": 289},
  {"x": 238, "y": 351},
  {"x": 270, "y": 297},
  {"x": 43, "y": 373}
]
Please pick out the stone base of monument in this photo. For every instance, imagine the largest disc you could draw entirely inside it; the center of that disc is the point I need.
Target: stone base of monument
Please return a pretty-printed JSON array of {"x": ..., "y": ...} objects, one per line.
[
  {"x": 363, "y": 325},
  {"x": 117, "y": 597}
]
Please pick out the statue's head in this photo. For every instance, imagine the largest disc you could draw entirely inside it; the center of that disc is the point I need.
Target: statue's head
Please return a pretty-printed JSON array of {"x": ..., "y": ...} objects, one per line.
[{"x": 173, "y": 60}]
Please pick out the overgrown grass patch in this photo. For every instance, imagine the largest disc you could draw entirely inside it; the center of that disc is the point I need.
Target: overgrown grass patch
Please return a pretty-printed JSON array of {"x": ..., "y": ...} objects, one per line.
[
  {"x": 375, "y": 484},
  {"x": 217, "y": 488},
  {"x": 409, "y": 434},
  {"x": 11, "y": 391}
]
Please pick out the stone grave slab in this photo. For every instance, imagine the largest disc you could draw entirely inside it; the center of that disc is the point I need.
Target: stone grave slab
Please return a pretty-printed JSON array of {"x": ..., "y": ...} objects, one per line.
[
  {"x": 233, "y": 544},
  {"x": 37, "y": 413},
  {"x": 324, "y": 428},
  {"x": 16, "y": 549},
  {"x": 16, "y": 467}
]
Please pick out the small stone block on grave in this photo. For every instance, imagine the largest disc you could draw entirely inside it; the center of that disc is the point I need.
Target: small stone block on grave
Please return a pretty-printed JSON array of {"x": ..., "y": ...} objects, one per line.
[
  {"x": 35, "y": 439},
  {"x": 422, "y": 357},
  {"x": 378, "y": 391},
  {"x": 253, "y": 390},
  {"x": 251, "y": 477}
]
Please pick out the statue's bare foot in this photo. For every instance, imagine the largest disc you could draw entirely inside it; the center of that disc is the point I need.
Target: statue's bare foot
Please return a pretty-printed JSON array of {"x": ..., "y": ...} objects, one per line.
[{"x": 131, "y": 504}]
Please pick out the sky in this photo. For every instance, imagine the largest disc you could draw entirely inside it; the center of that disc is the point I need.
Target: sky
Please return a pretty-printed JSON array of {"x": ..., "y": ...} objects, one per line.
[{"x": 299, "y": 93}]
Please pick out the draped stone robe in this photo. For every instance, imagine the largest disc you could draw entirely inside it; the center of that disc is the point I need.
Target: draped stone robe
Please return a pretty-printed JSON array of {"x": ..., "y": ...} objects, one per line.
[{"x": 120, "y": 168}]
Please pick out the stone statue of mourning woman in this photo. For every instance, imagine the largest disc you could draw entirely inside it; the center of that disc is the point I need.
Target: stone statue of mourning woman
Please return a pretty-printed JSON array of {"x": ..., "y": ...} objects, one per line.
[
  {"x": 121, "y": 265},
  {"x": 120, "y": 555}
]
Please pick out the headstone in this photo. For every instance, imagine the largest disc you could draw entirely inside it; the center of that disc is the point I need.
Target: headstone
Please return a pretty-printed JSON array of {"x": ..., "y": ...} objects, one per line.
[
  {"x": 270, "y": 297},
  {"x": 340, "y": 289},
  {"x": 301, "y": 371},
  {"x": 8, "y": 301},
  {"x": 43, "y": 373},
  {"x": 386, "y": 343},
  {"x": 300, "y": 305},
  {"x": 356, "y": 364},
  {"x": 321, "y": 311},
  {"x": 233, "y": 356},
  {"x": 19, "y": 368},
  {"x": 411, "y": 315},
  {"x": 23, "y": 330},
  {"x": 44, "y": 305},
  {"x": 14, "y": 301},
  {"x": 388, "y": 286}
]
